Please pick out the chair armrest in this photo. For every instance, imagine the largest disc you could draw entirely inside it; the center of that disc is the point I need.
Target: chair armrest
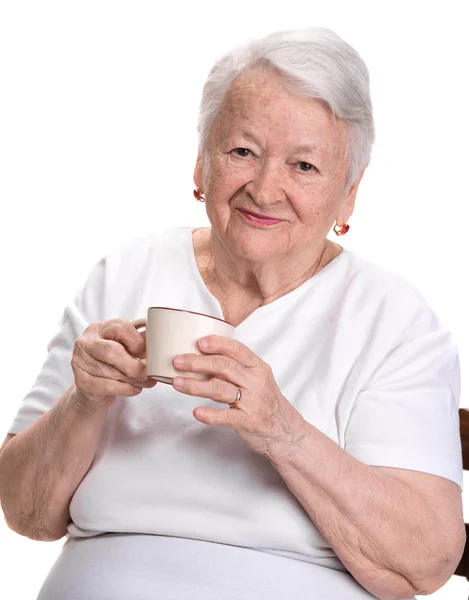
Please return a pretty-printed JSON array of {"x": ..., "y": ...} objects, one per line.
[{"x": 464, "y": 431}]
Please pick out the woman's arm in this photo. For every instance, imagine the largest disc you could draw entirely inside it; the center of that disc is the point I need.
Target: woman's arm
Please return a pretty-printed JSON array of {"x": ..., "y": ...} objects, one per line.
[
  {"x": 42, "y": 466},
  {"x": 386, "y": 534}
]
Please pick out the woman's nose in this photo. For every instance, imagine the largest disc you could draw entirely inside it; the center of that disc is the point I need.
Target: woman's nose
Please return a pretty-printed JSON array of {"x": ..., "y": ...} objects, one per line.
[{"x": 267, "y": 185}]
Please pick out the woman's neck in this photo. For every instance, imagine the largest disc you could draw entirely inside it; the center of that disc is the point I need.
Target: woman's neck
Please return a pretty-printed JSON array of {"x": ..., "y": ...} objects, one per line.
[{"x": 227, "y": 276}]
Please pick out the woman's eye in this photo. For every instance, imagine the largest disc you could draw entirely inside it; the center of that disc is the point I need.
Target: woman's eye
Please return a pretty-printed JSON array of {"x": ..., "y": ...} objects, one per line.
[
  {"x": 243, "y": 152},
  {"x": 304, "y": 166}
]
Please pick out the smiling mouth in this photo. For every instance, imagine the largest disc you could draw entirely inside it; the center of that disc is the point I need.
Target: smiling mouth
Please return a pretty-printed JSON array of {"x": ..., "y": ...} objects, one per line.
[{"x": 253, "y": 218}]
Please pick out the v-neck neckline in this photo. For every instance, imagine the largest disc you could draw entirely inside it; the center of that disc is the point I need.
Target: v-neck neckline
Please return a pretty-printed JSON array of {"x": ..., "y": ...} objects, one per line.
[{"x": 275, "y": 303}]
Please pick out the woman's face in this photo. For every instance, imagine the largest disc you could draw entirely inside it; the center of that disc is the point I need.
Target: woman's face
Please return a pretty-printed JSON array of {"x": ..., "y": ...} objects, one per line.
[{"x": 279, "y": 155}]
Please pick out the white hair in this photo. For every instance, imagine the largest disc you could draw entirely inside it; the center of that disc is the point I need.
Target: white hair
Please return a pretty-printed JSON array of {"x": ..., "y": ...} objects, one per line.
[{"x": 314, "y": 62}]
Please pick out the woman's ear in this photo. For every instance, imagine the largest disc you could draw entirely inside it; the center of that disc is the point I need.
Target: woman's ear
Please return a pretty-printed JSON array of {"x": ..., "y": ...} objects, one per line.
[
  {"x": 199, "y": 172},
  {"x": 348, "y": 203}
]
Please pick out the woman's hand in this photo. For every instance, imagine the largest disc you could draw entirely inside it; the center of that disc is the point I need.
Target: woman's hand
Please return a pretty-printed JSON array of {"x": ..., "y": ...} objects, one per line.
[
  {"x": 263, "y": 417},
  {"x": 105, "y": 364}
]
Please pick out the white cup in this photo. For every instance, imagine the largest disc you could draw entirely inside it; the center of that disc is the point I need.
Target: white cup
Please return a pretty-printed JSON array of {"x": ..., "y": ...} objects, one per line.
[{"x": 172, "y": 331}]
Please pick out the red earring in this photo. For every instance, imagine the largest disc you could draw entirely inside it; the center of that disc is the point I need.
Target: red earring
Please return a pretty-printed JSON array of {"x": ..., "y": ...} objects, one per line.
[
  {"x": 198, "y": 195},
  {"x": 341, "y": 229}
]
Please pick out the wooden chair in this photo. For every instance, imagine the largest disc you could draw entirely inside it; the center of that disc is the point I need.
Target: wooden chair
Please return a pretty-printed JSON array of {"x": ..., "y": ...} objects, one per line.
[{"x": 463, "y": 567}]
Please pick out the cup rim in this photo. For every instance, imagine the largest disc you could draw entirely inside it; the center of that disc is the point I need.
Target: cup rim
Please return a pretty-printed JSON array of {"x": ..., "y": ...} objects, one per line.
[{"x": 191, "y": 312}]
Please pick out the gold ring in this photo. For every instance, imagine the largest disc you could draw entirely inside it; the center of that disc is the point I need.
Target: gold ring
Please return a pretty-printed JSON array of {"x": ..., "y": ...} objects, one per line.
[{"x": 238, "y": 398}]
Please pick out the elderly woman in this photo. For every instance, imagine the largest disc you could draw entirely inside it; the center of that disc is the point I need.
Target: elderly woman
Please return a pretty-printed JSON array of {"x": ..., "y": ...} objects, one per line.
[{"x": 322, "y": 459}]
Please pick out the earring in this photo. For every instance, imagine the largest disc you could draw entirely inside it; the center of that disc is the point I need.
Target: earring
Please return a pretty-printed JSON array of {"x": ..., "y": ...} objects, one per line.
[
  {"x": 198, "y": 195},
  {"x": 341, "y": 229}
]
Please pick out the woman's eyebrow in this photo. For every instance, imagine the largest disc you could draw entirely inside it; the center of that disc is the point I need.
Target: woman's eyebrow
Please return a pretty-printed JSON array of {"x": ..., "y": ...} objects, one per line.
[
  {"x": 305, "y": 148},
  {"x": 249, "y": 137},
  {"x": 302, "y": 148}
]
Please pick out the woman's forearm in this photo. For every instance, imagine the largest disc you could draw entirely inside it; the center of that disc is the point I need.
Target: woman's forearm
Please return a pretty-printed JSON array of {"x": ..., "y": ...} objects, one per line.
[
  {"x": 42, "y": 466},
  {"x": 383, "y": 532}
]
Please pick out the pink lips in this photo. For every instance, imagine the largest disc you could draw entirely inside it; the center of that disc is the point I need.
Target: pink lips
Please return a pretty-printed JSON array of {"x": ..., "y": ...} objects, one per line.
[{"x": 260, "y": 220}]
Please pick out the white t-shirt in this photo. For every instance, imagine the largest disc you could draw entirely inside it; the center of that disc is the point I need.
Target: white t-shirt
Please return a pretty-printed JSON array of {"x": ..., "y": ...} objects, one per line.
[{"x": 355, "y": 349}]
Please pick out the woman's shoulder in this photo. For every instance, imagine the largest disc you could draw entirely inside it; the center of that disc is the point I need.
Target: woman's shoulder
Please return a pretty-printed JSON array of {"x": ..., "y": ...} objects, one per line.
[
  {"x": 380, "y": 278},
  {"x": 145, "y": 250},
  {"x": 158, "y": 240},
  {"x": 381, "y": 289},
  {"x": 126, "y": 264}
]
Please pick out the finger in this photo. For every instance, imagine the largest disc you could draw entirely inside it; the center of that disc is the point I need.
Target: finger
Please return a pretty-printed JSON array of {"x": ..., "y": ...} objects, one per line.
[
  {"x": 217, "y": 344},
  {"x": 82, "y": 362},
  {"x": 216, "y": 416},
  {"x": 98, "y": 369},
  {"x": 102, "y": 386},
  {"x": 125, "y": 333},
  {"x": 113, "y": 354},
  {"x": 223, "y": 366},
  {"x": 215, "y": 389}
]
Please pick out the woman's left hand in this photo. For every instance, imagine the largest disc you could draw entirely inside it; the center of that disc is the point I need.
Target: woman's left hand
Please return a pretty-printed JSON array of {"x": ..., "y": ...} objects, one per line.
[{"x": 263, "y": 417}]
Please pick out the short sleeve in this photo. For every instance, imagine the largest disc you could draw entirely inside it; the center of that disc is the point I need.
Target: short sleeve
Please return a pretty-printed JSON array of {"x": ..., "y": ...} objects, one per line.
[
  {"x": 56, "y": 374},
  {"x": 407, "y": 415}
]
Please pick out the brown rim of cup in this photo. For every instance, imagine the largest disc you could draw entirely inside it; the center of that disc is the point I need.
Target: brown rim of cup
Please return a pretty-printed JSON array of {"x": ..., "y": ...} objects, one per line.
[
  {"x": 159, "y": 380},
  {"x": 190, "y": 311}
]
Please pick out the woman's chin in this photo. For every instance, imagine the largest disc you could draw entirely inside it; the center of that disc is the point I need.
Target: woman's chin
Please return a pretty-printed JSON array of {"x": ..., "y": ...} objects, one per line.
[{"x": 251, "y": 249}]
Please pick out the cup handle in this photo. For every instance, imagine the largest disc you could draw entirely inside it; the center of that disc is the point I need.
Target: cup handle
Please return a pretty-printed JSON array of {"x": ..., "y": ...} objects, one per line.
[{"x": 138, "y": 323}]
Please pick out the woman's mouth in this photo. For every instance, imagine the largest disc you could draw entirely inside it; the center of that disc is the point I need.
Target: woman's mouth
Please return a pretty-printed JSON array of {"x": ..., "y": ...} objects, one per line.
[{"x": 258, "y": 220}]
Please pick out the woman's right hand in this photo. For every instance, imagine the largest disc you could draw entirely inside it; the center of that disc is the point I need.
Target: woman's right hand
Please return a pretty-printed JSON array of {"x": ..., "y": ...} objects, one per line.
[{"x": 105, "y": 364}]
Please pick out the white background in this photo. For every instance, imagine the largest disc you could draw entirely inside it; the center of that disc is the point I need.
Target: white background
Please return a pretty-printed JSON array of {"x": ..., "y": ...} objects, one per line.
[{"x": 98, "y": 110}]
